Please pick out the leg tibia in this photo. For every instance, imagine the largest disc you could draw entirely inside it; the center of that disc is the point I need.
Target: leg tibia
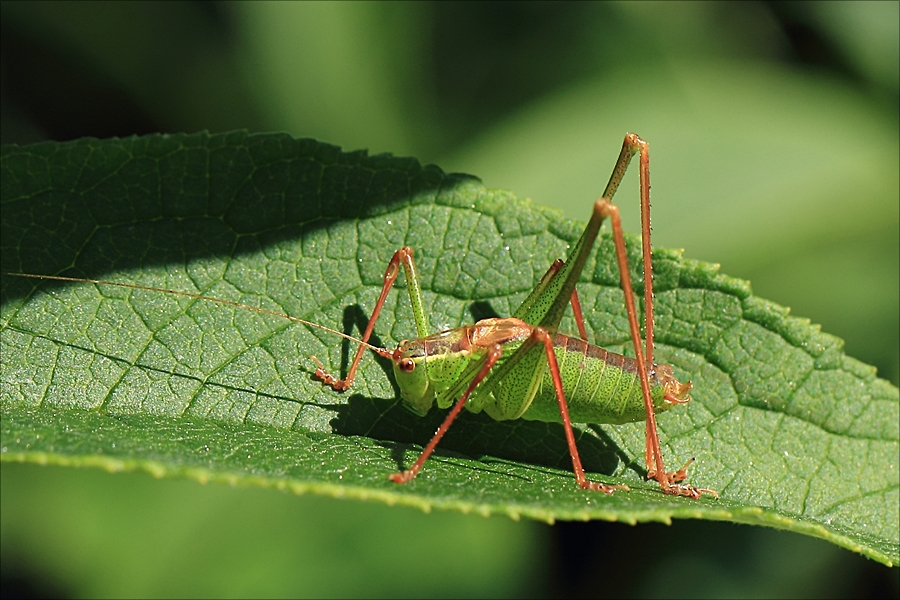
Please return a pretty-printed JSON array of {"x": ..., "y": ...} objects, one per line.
[
  {"x": 540, "y": 335},
  {"x": 402, "y": 257}
]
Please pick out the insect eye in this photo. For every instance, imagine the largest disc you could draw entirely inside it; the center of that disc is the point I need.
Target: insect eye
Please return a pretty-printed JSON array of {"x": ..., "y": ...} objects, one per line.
[{"x": 407, "y": 364}]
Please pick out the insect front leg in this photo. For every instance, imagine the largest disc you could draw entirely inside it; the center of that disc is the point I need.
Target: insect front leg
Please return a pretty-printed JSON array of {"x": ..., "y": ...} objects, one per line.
[
  {"x": 493, "y": 355},
  {"x": 402, "y": 257}
]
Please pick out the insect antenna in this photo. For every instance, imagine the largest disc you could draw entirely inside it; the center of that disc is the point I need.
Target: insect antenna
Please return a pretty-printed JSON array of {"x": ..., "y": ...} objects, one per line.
[{"x": 380, "y": 351}]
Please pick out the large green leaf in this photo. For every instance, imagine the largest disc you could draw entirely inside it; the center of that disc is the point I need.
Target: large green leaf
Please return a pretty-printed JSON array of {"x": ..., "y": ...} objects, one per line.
[{"x": 790, "y": 431}]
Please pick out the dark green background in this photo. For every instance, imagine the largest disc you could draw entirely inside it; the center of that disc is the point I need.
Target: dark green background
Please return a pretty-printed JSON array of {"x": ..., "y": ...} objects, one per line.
[{"x": 773, "y": 131}]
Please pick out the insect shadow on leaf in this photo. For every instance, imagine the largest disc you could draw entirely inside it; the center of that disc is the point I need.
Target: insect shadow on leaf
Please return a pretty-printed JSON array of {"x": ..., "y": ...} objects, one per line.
[
  {"x": 475, "y": 436},
  {"x": 356, "y": 318}
]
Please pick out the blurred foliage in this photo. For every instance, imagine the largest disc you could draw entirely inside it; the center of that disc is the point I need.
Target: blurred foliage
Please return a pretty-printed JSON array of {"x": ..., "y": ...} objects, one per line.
[{"x": 774, "y": 130}]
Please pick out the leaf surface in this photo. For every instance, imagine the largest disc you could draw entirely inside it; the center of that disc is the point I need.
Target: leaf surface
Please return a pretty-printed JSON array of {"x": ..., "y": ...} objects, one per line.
[{"x": 791, "y": 432}]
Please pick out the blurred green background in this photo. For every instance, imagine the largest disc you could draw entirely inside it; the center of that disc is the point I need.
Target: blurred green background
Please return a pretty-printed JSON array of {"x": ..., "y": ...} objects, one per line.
[{"x": 774, "y": 135}]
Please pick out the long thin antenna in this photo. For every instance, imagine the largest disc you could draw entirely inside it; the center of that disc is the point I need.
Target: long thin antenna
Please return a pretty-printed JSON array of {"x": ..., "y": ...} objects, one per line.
[{"x": 380, "y": 351}]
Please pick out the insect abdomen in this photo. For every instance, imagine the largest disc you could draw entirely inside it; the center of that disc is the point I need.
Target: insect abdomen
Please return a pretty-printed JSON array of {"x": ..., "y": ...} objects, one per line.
[{"x": 600, "y": 386}]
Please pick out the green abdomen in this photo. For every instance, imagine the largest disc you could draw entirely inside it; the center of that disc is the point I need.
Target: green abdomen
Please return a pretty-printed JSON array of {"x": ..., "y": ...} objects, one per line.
[{"x": 600, "y": 386}]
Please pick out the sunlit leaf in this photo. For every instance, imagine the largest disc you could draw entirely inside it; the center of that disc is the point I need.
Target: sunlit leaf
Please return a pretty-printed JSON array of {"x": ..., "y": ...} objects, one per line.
[{"x": 790, "y": 431}]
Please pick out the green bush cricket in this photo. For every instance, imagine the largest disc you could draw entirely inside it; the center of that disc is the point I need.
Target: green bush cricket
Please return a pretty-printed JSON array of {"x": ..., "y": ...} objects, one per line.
[{"x": 520, "y": 366}]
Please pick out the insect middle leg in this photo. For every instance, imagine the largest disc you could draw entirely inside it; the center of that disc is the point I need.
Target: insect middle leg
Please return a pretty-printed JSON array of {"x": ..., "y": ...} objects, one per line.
[
  {"x": 493, "y": 355},
  {"x": 538, "y": 336}
]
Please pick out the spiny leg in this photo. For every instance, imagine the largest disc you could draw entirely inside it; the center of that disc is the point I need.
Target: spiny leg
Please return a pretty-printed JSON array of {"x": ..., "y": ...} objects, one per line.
[
  {"x": 654, "y": 456},
  {"x": 540, "y": 335},
  {"x": 646, "y": 249},
  {"x": 402, "y": 257},
  {"x": 492, "y": 356},
  {"x": 630, "y": 146},
  {"x": 655, "y": 467}
]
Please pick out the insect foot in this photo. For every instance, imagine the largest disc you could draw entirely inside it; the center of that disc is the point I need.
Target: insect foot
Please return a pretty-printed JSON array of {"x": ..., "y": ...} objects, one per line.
[
  {"x": 672, "y": 483},
  {"x": 689, "y": 491},
  {"x": 596, "y": 486},
  {"x": 403, "y": 476},
  {"x": 681, "y": 474},
  {"x": 328, "y": 379}
]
